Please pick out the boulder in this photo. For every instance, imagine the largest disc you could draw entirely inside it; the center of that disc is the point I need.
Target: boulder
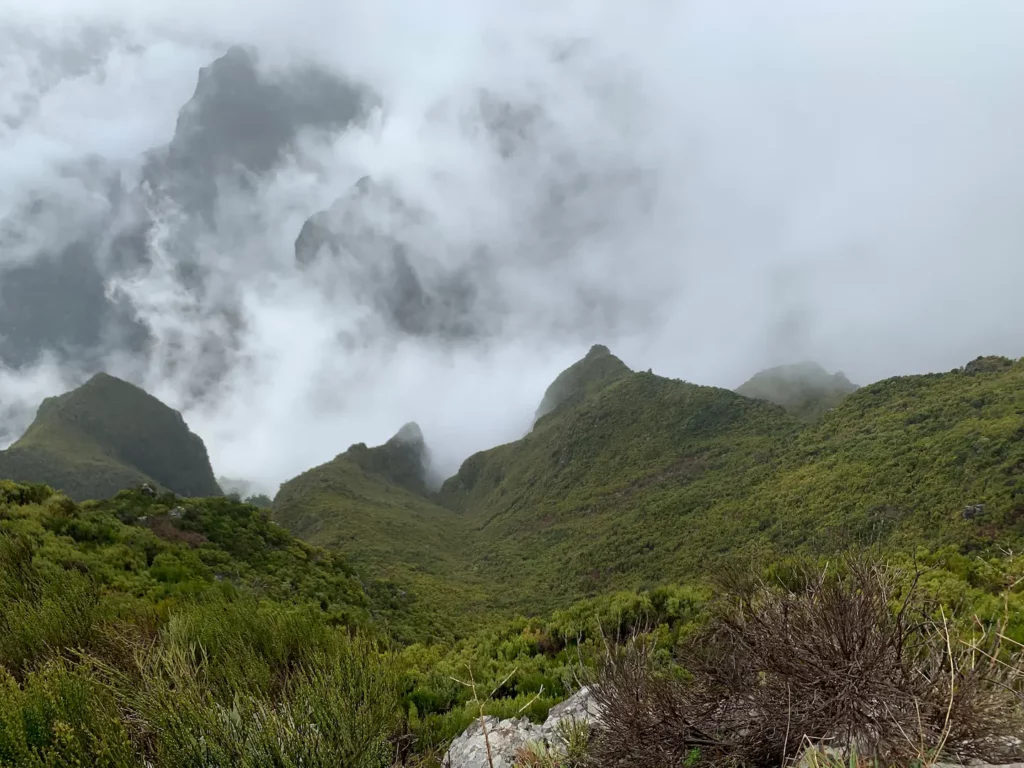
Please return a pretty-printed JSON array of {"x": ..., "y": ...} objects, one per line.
[
  {"x": 507, "y": 738},
  {"x": 972, "y": 511},
  {"x": 580, "y": 707}
]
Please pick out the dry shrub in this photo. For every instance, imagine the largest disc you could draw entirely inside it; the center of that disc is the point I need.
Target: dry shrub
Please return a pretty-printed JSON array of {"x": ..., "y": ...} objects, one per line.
[
  {"x": 649, "y": 717},
  {"x": 842, "y": 659}
]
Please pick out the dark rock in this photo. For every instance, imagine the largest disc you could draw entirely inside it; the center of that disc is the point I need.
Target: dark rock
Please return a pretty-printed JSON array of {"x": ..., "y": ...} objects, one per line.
[
  {"x": 972, "y": 511},
  {"x": 988, "y": 364},
  {"x": 373, "y": 245}
]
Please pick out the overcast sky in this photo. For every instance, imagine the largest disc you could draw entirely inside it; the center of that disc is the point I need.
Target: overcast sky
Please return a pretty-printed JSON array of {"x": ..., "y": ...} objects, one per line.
[{"x": 771, "y": 182}]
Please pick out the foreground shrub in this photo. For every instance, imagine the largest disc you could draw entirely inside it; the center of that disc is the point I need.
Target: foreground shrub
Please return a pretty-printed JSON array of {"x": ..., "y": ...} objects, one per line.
[
  {"x": 61, "y": 716},
  {"x": 252, "y": 693},
  {"x": 842, "y": 659}
]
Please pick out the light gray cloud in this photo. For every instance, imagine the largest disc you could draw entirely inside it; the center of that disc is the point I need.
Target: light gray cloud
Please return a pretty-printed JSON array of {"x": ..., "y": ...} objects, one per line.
[{"x": 707, "y": 188}]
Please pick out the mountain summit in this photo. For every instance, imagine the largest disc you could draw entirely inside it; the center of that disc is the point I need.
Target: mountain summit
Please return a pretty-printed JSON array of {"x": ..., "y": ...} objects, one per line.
[
  {"x": 582, "y": 379},
  {"x": 105, "y": 436},
  {"x": 402, "y": 461},
  {"x": 805, "y": 389}
]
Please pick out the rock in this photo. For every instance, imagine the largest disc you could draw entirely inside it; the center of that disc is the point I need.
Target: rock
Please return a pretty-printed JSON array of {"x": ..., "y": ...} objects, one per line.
[
  {"x": 508, "y": 737},
  {"x": 988, "y": 364},
  {"x": 505, "y": 737},
  {"x": 580, "y": 707},
  {"x": 973, "y": 510}
]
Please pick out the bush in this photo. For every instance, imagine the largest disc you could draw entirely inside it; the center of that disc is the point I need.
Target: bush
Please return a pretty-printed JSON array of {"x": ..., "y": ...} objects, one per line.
[
  {"x": 61, "y": 716},
  {"x": 254, "y": 685},
  {"x": 852, "y": 658}
]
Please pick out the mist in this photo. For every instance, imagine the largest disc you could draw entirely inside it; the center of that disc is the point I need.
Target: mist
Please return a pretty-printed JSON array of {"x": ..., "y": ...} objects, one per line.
[{"x": 706, "y": 188}]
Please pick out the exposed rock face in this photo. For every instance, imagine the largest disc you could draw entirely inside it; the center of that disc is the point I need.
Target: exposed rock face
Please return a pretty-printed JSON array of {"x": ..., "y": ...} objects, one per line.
[
  {"x": 239, "y": 124},
  {"x": 972, "y": 511},
  {"x": 504, "y": 741},
  {"x": 404, "y": 460},
  {"x": 241, "y": 120},
  {"x": 507, "y": 738},
  {"x": 371, "y": 244}
]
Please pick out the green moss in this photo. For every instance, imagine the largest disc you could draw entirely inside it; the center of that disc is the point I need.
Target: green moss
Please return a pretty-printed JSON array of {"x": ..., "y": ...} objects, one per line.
[{"x": 105, "y": 436}]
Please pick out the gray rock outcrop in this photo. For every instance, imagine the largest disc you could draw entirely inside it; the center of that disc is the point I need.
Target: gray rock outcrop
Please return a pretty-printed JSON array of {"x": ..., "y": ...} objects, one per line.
[{"x": 507, "y": 738}]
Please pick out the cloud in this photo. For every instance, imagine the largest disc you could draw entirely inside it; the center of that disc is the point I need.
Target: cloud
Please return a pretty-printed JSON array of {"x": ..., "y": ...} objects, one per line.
[{"x": 709, "y": 189}]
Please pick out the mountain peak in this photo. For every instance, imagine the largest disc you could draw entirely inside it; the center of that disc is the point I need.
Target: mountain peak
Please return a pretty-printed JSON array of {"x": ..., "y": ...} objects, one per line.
[
  {"x": 106, "y": 435},
  {"x": 239, "y": 115},
  {"x": 403, "y": 460},
  {"x": 597, "y": 370},
  {"x": 805, "y": 389},
  {"x": 409, "y": 434}
]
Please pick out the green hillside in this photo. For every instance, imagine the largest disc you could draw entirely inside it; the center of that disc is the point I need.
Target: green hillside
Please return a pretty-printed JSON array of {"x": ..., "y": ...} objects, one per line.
[
  {"x": 369, "y": 504},
  {"x": 105, "y": 436},
  {"x": 152, "y": 629},
  {"x": 806, "y": 390},
  {"x": 636, "y": 480},
  {"x": 162, "y": 549},
  {"x": 901, "y": 460},
  {"x": 615, "y": 491},
  {"x": 651, "y": 479}
]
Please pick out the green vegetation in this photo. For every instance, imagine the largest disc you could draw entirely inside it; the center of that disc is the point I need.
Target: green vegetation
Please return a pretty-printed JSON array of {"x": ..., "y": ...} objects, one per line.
[
  {"x": 806, "y": 390},
  {"x": 183, "y": 631},
  {"x": 646, "y": 480},
  {"x": 364, "y": 504},
  {"x": 198, "y": 631},
  {"x": 619, "y": 491},
  {"x": 105, "y": 436}
]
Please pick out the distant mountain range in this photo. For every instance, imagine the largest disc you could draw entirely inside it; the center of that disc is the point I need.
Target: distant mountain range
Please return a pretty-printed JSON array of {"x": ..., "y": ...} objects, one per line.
[{"x": 626, "y": 479}]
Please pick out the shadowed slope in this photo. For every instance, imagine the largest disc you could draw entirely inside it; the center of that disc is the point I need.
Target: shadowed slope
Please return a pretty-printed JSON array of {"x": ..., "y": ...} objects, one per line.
[{"x": 105, "y": 436}]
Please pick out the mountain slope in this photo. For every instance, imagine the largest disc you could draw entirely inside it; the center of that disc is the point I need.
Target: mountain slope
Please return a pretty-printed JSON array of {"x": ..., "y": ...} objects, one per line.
[
  {"x": 650, "y": 479},
  {"x": 157, "y": 547},
  {"x": 615, "y": 490},
  {"x": 806, "y": 390},
  {"x": 370, "y": 505},
  {"x": 105, "y": 436},
  {"x": 905, "y": 461}
]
